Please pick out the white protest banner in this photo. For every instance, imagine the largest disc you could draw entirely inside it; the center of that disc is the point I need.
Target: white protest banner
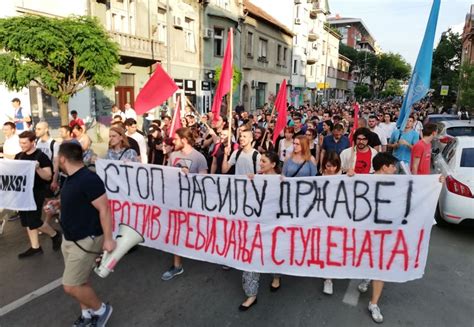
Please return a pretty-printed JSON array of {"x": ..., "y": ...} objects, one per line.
[
  {"x": 366, "y": 226},
  {"x": 17, "y": 178}
]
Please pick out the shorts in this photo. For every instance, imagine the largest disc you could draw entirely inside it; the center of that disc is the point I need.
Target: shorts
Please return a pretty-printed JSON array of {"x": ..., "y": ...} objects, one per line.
[
  {"x": 32, "y": 219},
  {"x": 78, "y": 264}
]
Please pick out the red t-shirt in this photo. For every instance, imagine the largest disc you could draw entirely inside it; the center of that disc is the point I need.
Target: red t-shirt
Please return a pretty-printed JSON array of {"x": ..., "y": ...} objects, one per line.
[
  {"x": 363, "y": 162},
  {"x": 77, "y": 121},
  {"x": 421, "y": 150}
]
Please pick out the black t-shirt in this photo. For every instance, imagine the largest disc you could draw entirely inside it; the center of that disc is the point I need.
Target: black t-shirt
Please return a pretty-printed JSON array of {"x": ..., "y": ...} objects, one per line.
[
  {"x": 374, "y": 140},
  {"x": 133, "y": 145},
  {"x": 40, "y": 184},
  {"x": 155, "y": 156},
  {"x": 79, "y": 218}
]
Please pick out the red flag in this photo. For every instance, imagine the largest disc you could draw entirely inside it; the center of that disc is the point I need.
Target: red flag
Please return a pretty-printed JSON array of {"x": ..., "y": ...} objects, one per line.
[
  {"x": 355, "y": 124},
  {"x": 156, "y": 90},
  {"x": 280, "y": 105},
  {"x": 176, "y": 122},
  {"x": 225, "y": 82}
]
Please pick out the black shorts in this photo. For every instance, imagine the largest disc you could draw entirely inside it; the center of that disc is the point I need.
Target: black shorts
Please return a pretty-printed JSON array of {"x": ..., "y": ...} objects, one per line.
[{"x": 32, "y": 219}]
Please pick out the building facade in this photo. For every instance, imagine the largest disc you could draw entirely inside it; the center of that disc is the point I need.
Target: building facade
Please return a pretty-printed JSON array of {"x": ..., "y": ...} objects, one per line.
[
  {"x": 266, "y": 56},
  {"x": 468, "y": 38}
]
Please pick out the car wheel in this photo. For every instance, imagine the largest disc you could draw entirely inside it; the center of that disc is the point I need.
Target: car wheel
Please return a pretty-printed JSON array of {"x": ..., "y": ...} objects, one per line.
[{"x": 440, "y": 222}]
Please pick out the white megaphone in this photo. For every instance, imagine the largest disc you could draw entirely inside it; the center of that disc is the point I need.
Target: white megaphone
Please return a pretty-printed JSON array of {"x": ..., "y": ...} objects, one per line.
[{"x": 127, "y": 238}]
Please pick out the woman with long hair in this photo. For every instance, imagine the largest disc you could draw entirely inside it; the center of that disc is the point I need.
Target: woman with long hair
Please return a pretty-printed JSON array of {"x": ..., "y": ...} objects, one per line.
[
  {"x": 119, "y": 148},
  {"x": 285, "y": 148},
  {"x": 269, "y": 165},
  {"x": 301, "y": 163},
  {"x": 312, "y": 134},
  {"x": 80, "y": 135},
  {"x": 327, "y": 130}
]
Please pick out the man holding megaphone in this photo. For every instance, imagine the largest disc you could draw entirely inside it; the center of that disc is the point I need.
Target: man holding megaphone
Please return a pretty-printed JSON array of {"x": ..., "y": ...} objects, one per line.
[{"x": 87, "y": 230}]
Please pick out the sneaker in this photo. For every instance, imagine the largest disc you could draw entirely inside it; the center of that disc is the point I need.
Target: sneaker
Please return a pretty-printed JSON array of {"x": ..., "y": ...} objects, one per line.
[
  {"x": 14, "y": 217},
  {"x": 101, "y": 321},
  {"x": 364, "y": 285},
  {"x": 172, "y": 272},
  {"x": 30, "y": 252},
  {"x": 327, "y": 287},
  {"x": 57, "y": 240},
  {"x": 375, "y": 312},
  {"x": 2, "y": 226},
  {"x": 82, "y": 322}
]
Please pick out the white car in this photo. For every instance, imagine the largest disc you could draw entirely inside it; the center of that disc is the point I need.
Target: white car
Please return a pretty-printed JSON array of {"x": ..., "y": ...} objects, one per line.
[
  {"x": 456, "y": 163},
  {"x": 448, "y": 129}
]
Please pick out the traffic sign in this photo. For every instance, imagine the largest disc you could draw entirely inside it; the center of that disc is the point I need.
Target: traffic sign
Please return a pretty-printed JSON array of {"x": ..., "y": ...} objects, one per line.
[{"x": 444, "y": 90}]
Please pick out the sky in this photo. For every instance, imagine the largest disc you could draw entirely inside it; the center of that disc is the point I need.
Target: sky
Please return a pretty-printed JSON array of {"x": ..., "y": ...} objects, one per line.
[{"x": 397, "y": 25}]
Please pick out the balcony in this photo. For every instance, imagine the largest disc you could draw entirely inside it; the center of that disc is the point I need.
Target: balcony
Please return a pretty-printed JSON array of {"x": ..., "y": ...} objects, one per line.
[
  {"x": 312, "y": 36},
  {"x": 311, "y": 58},
  {"x": 138, "y": 47}
]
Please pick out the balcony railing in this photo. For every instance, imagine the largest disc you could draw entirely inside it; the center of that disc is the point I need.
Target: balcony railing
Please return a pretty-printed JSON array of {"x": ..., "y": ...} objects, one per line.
[
  {"x": 137, "y": 46},
  {"x": 312, "y": 36}
]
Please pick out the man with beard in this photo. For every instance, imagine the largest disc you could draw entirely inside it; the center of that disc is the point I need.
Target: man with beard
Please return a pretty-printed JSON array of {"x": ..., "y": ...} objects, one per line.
[
  {"x": 191, "y": 161},
  {"x": 358, "y": 159}
]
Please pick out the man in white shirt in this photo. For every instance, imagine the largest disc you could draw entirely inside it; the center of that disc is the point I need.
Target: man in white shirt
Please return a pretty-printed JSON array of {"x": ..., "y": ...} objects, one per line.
[
  {"x": 12, "y": 142},
  {"x": 130, "y": 112},
  {"x": 387, "y": 125},
  {"x": 373, "y": 126},
  {"x": 131, "y": 126}
]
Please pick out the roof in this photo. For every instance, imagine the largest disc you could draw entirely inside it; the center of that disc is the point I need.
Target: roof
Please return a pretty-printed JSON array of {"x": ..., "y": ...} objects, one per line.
[
  {"x": 258, "y": 12},
  {"x": 347, "y": 20}
]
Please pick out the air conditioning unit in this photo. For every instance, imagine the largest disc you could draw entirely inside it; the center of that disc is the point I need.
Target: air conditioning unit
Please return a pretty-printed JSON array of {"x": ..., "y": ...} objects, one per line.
[
  {"x": 297, "y": 2},
  {"x": 208, "y": 33},
  {"x": 178, "y": 21},
  {"x": 315, "y": 46},
  {"x": 254, "y": 84},
  {"x": 297, "y": 21}
]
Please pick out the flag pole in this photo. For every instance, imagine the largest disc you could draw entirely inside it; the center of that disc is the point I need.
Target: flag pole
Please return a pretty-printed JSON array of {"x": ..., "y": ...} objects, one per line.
[
  {"x": 229, "y": 106},
  {"x": 266, "y": 129}
]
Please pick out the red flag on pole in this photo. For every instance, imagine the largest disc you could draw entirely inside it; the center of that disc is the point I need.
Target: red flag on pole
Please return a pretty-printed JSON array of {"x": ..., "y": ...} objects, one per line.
[
  {"x": 156, "y": 90},
  {"x": 280, "y": 105},
  {"x": 225, "y": 81},
  {"x": 176, "y": 122},
  {"x": 355, "y": 124}
]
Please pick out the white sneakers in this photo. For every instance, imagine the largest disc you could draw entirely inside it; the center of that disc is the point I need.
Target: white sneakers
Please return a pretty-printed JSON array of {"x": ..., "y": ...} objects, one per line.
[
  {"x": 364, "y": 285},
  {"x": 328, "y": 287},
  {"x": 375, "y": 313}
]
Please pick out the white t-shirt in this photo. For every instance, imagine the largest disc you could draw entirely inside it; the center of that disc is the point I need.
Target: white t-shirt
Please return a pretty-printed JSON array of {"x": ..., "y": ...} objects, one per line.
[
  {"x": 245, "y": 165},
  {"x": 142, "y": 145},
  {"x": 130, "y": 113},
  {"x": 387, "y": 128},
  {"x": 45, "y": 147},
  {"x": 12, "y": 145},
  {"x": 381, "y": 133}
]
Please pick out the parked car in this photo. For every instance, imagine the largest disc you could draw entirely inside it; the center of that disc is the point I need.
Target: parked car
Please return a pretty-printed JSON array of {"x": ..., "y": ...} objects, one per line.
[
  {"x": 434, "y": 118},
  {"x": 447, "y": 130},
  {"x": 456, "y": 163}
]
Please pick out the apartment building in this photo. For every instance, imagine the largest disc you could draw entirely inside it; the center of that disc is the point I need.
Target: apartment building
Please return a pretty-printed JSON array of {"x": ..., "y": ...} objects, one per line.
[
  {"x": 266, "y": 56},
  {"x": 468, "y": 38}
]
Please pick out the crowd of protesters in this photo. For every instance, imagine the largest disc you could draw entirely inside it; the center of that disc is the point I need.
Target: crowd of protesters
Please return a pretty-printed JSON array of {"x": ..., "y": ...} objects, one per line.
[{"x": 317, "y": 140}]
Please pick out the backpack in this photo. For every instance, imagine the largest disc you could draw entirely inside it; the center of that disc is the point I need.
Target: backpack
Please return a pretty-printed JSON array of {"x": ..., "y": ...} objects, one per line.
[{"x": 254, "y": 159}]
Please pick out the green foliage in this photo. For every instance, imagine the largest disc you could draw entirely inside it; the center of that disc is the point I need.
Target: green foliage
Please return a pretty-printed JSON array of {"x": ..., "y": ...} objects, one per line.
[
  {"x": 445, "y": 69},
  {"x": 348, "y": 52},
  {"x": 236, "y": 77},
  {"x": 389, "y": 66},
  {"x": 466, "y": 86},
  {"x": 361, "y": 91},
  {"x": 392, "y": 88},
  {"x": 62, "y": 55}
]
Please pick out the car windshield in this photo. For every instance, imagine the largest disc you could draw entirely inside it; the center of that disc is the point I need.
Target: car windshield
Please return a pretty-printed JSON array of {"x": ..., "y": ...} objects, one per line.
[
  {"x": 441, "y": 118},
  {"x": 467, "y": 157},
  {"x": 460, "y": 131}
]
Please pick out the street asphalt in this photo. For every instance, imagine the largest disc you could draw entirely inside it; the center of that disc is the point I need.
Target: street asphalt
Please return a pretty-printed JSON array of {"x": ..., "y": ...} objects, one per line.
[{"x": 206, "y": 295}]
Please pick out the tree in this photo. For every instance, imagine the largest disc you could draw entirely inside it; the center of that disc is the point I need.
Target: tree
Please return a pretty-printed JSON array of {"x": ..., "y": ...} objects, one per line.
[
  {"x": 389, "y": 66},
  {"x": 392, "y": 88},
  {"x": 60, "y": 55},
  {"x": 466, "y": 86},
  {"x": 236, "y": 77},
  {"x": 361, "y": 91},
  {"x": 445, "y": 69}
]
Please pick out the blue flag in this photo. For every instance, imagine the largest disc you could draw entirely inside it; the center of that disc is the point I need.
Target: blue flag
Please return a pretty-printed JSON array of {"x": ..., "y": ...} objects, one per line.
[{"x": 420, "y": 79}]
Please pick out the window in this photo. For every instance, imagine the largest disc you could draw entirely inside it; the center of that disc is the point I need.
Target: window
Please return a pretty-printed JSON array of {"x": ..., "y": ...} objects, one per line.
[
  {"x": 277, "y": 88},
  {"x": 249, "y": 44},
  {"x": 303, "y": 68},
  {"x": 295, "y": 67},
  {"x": 218, "y": 42},
  {"x": 189, "y": 34},
  {"x": 260, "y": 94},
  {"x": 224, "y": 4},
  {"x": 279, "y": 54},
  {"x": 161, "y": 27},
  {"x": 263, "y": 44},
  {"x": 311, "y": 70},
  {"x": 467, "y": 157},
  {"x": 285, "y": 53}
]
